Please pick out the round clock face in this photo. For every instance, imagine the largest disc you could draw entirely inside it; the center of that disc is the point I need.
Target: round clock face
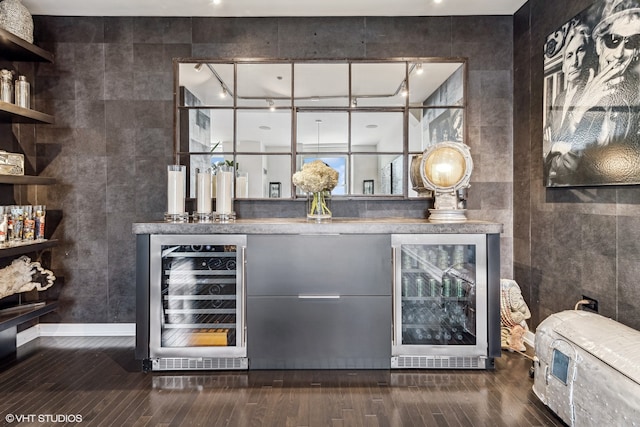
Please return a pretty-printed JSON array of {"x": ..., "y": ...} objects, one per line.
[{"x": 445, "y": 167}]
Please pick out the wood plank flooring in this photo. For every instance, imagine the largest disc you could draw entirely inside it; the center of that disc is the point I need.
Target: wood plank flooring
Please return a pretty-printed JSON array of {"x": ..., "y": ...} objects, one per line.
[{"x": 98, "y": 380}]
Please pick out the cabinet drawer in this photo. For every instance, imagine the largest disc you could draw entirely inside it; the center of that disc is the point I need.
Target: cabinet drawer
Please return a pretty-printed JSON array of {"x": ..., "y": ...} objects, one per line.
[
  {"x": 319, "y": 265},
  {"x": 299, "y": 333}
]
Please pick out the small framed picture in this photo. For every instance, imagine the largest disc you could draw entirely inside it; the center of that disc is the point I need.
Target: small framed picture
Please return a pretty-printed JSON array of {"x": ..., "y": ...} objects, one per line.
[
  {"x": 274, "y": 190},
  {"x": 367, "y": 186}
]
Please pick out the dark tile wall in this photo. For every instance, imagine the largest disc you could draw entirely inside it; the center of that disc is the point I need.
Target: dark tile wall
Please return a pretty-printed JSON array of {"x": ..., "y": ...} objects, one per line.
[
  {"x": 111, "y": 91},
  {"x": 573, "y": 241}
]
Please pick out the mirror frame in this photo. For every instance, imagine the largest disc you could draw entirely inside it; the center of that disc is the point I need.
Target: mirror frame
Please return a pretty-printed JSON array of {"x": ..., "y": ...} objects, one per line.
[{"x": 182, "y": 155}]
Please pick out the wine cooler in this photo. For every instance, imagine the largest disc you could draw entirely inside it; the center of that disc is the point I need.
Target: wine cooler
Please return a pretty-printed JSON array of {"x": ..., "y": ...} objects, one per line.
[
  {"x": 197, "y": 302},
  {"x": 441, "y": 303}
]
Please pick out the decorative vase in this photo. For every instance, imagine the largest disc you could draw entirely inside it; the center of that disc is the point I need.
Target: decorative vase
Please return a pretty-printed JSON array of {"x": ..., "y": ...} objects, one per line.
[
  {"x": 319, "y": 206},
  {"x": 15, "y": 18}
]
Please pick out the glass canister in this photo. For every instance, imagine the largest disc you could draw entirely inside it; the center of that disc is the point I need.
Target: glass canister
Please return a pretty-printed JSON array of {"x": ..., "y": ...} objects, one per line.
[
  {"x": 17, "y": 223},
  {"x": 176, "y": 188},
  {"x": 28, "y": 223},
  {"x": 6, "y": 85},
  {"x": 39, "y": 212},
  {"x": 23, "y": 92},
  {"x": 3, "y": 225}
]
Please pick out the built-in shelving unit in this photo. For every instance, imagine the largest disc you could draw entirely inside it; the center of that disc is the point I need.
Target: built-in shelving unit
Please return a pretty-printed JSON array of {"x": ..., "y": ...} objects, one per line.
[
  {"x": 11, "y": 113},
  {"x": 26, "y": 180},
  {"x": 14, "y": 48},
  {"x": 13, "y": 316},
  {"x": 25, "y": 248}
]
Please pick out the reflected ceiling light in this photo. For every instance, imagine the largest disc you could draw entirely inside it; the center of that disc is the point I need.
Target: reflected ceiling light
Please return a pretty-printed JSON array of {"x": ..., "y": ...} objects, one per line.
[
  {"x": 198, "y": 67},
  {"x": 437, "y": 1},
  {"x": 403, "y": 89},
  {"x": 223, "y": 92},
  {"x": 354, "y": 102},
  {"x": 419, "y": 69},
  {"x": 446, "y": 169},
  {"x": 272, "y": 106},
  {"x": 216, "y": 2}
]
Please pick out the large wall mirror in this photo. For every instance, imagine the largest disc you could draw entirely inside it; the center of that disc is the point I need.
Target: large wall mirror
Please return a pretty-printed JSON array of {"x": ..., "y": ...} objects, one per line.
[{"x": 370, "y": 120}]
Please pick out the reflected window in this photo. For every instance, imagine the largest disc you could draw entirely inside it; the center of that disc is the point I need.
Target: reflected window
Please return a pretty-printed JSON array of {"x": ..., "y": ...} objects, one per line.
[{"x": 339, "y": 163}]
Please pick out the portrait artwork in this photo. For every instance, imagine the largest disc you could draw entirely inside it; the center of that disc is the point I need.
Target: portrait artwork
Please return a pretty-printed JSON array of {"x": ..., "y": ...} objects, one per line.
[{"x": 591, "y": 97}]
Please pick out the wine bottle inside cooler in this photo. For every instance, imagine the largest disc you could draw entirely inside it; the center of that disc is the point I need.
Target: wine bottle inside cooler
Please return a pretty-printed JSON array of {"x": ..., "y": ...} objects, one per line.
[{"x": 446, "y": 286}]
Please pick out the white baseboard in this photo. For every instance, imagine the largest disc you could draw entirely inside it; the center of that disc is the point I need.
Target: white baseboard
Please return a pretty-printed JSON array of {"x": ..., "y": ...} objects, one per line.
[
  {"x": 114, "y": 330},
  {"x": 27, "y": 335},
  {"x": 76, "y": 330}
]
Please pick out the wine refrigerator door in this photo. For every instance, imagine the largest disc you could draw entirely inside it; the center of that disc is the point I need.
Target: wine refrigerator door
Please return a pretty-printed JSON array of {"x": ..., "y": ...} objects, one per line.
[
  {"x": 197, "y": 296},
  {"x": 440, "y": 295}
]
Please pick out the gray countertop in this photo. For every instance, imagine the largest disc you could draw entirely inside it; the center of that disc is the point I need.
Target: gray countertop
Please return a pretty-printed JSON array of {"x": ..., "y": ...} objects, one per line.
[{"x": 336, "y": 226}]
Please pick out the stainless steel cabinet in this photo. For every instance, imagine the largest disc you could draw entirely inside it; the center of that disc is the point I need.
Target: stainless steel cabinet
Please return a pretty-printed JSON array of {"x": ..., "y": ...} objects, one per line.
[
  {"x": 441, "y": 301},
  {"x": 197, "y": 302},
  {"x": 319, "y": 301}
]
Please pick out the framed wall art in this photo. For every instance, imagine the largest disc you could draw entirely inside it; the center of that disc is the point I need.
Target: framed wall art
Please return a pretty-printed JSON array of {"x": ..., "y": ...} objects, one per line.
[
  {"x": 367, "y": 186},
  {"x": 591, "y": 97},
  {"x": 274, "y": 190}
]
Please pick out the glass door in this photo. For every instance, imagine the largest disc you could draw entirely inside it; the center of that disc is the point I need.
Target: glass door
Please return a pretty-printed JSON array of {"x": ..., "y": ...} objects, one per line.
[
  {"x": 440, "y": 295},
  {"x": 197, "y": 296}
]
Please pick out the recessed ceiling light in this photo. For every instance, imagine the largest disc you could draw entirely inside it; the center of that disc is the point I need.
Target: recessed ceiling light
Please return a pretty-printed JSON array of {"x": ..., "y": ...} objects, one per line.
[
  {"x": 371, "y": 126},
  {"x": 216, "y": 2},
  {"x": 264, "y": 128}
]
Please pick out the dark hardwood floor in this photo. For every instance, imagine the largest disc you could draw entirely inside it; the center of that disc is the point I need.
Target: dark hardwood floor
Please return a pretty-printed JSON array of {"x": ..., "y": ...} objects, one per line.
[{"x": 98, "y": 380}]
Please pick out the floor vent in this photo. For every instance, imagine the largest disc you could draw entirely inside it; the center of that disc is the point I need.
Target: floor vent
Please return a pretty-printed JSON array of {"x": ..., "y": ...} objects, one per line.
[
  {"x": 437, "y": 362},
  {"x": 197, "y": 364}
]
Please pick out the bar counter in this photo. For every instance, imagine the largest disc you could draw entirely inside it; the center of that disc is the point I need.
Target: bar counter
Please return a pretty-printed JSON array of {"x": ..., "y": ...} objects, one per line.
[
  {"x": 336, "y": 226},
  {"x": 284, "y": 293}
]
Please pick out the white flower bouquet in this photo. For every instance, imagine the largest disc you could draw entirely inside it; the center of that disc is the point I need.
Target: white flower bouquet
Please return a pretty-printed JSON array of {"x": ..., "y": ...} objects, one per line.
[{"x": 319, "y": 179}]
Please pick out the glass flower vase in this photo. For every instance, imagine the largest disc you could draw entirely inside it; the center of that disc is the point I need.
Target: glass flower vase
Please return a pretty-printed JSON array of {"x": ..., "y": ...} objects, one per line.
[{"x": 319, "y": 206}]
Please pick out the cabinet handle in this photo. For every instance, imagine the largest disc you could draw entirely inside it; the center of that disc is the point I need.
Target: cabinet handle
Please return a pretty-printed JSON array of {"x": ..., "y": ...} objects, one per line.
[
  {"x": 393, "y": 295},
  {"x": 319, "y": 296},
  {"x": 244, "y": 296}
]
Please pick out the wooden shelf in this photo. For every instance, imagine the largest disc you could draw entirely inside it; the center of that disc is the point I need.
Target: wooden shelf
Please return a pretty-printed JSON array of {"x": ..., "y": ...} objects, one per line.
[
  {"x": 25, "y": 248},
  {"x": 14, "y": 48},
  {"x": 26, "y": 180},
  {"x": 11, "y": 113},
  {"x": 13, "y": 316}
]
